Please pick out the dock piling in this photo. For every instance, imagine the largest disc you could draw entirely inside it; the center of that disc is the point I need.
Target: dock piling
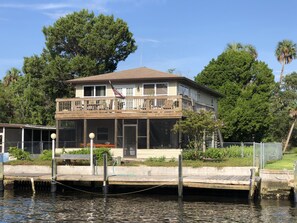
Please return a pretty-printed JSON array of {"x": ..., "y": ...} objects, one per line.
[
  {"x": 252, "y": 184},
  {"x": 33, "y": 185},
  {"x": 105, "y": 177},
  {"x": 180, "y": 176}
]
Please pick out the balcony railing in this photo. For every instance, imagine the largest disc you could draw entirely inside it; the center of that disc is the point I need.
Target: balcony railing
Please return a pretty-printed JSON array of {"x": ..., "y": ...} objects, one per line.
[{"x": 129, "y": 104}]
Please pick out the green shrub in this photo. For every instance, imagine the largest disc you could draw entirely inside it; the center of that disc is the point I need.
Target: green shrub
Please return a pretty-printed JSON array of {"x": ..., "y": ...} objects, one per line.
[
  {"x": 191, "y": 154},
  {"x": 98, "y": 152},
  {"x": 215, "y": 153},
  {"x": 19, "y": 154},
  {"x": 238, "y": 151},
  {"x": 156, "y": 159},
  {"x": 46, "y": 155}
]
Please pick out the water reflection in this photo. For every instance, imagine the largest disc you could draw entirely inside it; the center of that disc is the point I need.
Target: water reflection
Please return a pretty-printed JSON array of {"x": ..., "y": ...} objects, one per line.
[{"x": 77, "y": 207}]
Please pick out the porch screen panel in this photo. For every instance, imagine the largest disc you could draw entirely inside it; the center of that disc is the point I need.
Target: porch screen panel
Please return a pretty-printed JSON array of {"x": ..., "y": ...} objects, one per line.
[
  {"x": 120, "y": 134},
  {"x": 142, "y": 143},
  {"x": 161, "y": 135}
]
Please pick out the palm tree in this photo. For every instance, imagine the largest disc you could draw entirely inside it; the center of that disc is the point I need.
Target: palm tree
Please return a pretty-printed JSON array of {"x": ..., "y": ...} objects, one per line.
[
  {"x": 293, "y": 114},
  {"x": 241, "y": 47},
  {"x": 285, "y": 52},
  {"x": 11, "y": 76}
]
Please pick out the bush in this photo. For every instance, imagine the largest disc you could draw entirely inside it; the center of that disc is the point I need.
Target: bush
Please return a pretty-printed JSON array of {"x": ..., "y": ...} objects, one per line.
[
  {"x": 98, "y": 152},
  {"x": 156, "y": 159},
  {"x": 191, "y": 154},
  {"x": 236, "y": 151},
  {"x": 214, "y": 153},
  {"x": 19, "y": 154},
  {"x": 46, "y": 155}
]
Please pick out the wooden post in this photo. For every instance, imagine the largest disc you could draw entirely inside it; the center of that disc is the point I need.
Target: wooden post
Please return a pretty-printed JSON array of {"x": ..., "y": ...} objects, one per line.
[
  {"x": 295, "y": 182},
  {"x": 252, "y": 184},
  {"x": 116, "y": 133},
  {"x": 105, "y": 178},
  {"x": 85, "y": 133},
  {"x": 1, "y": 173},
  {"x": 180, "y": 176},
  {"x": 147, "y": 133}
]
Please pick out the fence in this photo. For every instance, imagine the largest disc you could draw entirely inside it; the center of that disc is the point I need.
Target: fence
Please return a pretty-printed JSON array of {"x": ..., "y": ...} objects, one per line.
[{"x": 265, "y": 152}]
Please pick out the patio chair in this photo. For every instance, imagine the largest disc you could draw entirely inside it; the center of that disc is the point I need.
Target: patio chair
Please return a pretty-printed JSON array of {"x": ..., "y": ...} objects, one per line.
[{"x": 168, "y": 104}]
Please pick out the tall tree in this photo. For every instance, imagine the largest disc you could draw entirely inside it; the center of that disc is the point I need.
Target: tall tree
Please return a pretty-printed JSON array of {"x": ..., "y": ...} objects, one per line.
[
  {"x": 86, "y": 40},
  {"x": 11, "y": 76},
  {"x": 242, "y": 47},
  {"x": 247, "y": 85},
  {"x": 79, "y": 44},
  {"x": 285, "y": 52}
]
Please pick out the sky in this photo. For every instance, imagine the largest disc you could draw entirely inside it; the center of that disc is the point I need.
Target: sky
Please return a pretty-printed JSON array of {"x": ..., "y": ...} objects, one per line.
[{"x": 171, "y": 34}]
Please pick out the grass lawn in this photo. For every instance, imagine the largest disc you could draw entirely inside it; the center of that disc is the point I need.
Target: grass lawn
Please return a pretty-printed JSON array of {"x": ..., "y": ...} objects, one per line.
[{"x": 286, "y": 163}]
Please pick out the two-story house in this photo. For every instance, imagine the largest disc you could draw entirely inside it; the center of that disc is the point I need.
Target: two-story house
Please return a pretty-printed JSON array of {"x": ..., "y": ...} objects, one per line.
[{"x": 138, "y": 123}]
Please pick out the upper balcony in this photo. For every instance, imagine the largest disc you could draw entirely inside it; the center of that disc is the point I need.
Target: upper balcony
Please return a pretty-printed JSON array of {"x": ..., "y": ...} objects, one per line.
[{"x": 136, "y": 107}]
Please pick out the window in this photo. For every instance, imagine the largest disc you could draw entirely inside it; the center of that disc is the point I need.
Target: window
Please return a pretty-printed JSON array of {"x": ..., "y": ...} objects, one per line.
[
  {"x": 94, "y": 91},
  {"x": 161, "y": 89},
  {"x": 155, "y": 89},
  {"x": 102, "y": 134},
  {"x": 148, "y": 89},
  {"x": 183, "y": 90}
]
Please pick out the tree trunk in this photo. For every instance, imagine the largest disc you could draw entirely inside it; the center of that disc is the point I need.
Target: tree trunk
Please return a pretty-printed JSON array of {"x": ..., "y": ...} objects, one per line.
[
  {"x": 203, "y": 145},
  {"x": 281, "y": 74},
  {"x": 289, "y": 135}
]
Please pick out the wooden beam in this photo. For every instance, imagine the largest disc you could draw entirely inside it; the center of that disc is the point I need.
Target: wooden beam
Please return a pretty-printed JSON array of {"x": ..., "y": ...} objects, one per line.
[
  {"x": 148, "y": 133},
  {"x": 57, "y": 133},
  {"x": 116, "y": 133},
  {"x": 85, "y": 132}
]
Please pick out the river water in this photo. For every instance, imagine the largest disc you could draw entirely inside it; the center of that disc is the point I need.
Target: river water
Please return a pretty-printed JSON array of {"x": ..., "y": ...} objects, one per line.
[{"x": 82, "y": 207}]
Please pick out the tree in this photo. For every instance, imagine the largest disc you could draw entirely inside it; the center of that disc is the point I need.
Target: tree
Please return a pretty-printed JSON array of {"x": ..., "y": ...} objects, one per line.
[
  {"x": 241, "y": 47},
  {"x": 6, "y": 107},
  {"x": 196, "y": 124},
  {"x": 247, "y": 86},
  {"x": 11, "y": 76},
  {"x": 293, "y": 114},
  {"x": 88, "y": 41},
  {"x": 285, "y": 52},
  {"x": 80, "y": 44}
]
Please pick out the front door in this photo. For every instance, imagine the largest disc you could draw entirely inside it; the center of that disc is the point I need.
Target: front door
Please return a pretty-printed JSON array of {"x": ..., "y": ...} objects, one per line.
[
  {"x": 126, "y": 90},
  {"x": 130, "y": 141}
]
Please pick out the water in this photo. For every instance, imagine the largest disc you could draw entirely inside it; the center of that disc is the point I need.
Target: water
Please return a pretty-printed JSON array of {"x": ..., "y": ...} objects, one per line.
[{"x": 81, "y": 207}]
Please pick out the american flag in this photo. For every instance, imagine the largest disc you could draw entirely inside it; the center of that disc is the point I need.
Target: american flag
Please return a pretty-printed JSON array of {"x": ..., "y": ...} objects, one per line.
[{"x": 117, "y": 94}]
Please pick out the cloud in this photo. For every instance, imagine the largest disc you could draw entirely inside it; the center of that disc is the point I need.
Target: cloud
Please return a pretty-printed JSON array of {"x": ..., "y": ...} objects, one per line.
[
  {"x": 146, "y": 40},
  {"x": 57, "y": 10},
  {"x": 45, "y": 6},
  {"x": 57, "y": 14}
]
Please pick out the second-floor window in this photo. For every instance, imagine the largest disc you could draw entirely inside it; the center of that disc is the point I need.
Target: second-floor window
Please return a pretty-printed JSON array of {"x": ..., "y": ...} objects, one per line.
[
  {"x": 94, "y": 91},
  {"x": 155, "y": 89}
]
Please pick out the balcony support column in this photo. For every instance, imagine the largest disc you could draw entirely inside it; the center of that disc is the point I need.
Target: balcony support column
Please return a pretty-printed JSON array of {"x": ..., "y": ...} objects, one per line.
[
  {"x": 85, "y": 132},
  {"x": 116, "y": 133},
  {"x": 148, "y": 133},
  {"x": 57, "y": 133}
]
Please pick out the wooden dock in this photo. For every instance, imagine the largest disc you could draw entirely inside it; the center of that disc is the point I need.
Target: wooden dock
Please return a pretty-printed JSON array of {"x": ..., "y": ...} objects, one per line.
[{"x": 142, "y": 176}]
